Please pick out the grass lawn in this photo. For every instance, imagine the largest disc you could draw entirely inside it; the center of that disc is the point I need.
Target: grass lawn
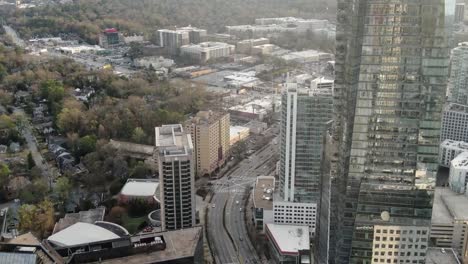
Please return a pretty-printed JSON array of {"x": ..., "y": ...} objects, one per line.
[{"x": 131, "y": 224}]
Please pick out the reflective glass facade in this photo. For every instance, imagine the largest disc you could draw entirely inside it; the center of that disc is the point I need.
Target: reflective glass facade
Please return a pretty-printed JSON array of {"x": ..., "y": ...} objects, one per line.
[
  {"x": 304, "y": 117},
  {"x": 391, "y": 75}
]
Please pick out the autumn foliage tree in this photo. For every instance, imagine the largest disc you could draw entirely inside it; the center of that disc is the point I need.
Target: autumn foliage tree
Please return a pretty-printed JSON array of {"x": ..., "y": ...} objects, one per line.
[{"x": 38, "y": 219}]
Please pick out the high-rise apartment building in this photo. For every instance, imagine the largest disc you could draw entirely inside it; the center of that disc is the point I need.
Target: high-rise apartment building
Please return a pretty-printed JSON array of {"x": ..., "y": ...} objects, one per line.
[
  {"x": 174, "y": 156},
  {"x": 454, "y": 123},
  {"x": 391, "y": 73},
  {"x": 304, "y": 116},
  {"x": 458, "y": 84},
  {"x": 211, "y": 138}
]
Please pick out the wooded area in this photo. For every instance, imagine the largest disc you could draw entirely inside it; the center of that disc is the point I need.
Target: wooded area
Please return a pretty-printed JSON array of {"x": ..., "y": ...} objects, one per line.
[{"x": 85, "y": 18}]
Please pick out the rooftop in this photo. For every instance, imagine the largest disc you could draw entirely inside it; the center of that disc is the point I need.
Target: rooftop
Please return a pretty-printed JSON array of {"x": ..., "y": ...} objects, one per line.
[
  {"x": 289, "y": 239},
  {"x": 461, "y": 161},
  {"x": 17, "y": 258},
  {"x": 182, "y": 29},
  {"x": 441, "y": 255},
  {"x": 171, "y": 140},
  {"x": 263, "y": 192},
  {"x": 456, "y": 108},
  {"x": 207, "y": 117},
  {"x": 204, "y": 46},
  {"x": 111, "y": 30},
  {"x": 236, "y": 130},
  {"x": 449, "y": 206},
  {"x": 140, "y": 187},
  {"x": 179, "y": 244},
  {"x": 132, "y": 147},
  {"x": 89, "y": 217},
  {"x": 81, "y": 233},
  {"x": 461, "y": 145}
]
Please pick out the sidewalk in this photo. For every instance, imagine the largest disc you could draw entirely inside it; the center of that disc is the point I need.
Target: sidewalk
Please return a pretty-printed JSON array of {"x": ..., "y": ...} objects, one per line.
[
  {"x": 202, "y": 210},
  {"x": 256, "y": 238}
]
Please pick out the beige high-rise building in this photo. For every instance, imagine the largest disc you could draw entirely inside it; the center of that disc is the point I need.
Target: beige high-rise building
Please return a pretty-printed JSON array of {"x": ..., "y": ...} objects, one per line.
[{"x": 210, "y": 137}]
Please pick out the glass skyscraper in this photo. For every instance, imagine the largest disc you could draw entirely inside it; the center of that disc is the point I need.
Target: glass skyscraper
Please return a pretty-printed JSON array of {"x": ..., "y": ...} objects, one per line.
[
  {"x": 391, "y": 72},
  {"x": 304, "y": 116}
]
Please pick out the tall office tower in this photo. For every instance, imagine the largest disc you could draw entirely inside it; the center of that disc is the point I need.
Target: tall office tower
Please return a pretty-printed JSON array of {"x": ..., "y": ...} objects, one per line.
[
  {"x": 304, "y": 116},
  {"x": 210, "y": 136},
  {"x": 458, "y": 85},
  {"x": 173, "y": 154},
  {"x": 391, "y": 74}
]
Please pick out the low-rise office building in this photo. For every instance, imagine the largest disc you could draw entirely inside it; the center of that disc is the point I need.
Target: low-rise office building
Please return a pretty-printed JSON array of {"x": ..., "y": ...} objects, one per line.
[
  {"x": 288, "y": 244},
  {"x": 263, "y": 202},
  {"x": 92, "y": 244},
  {"x": 206, "y": 51},
  {"x": 459, "y": 173},
  {"x": 140, "y": 189},
  {"x": 294, "y": 213},
  {"x": 245, "y": 46},
  {"x": 450, "y": 149},
  {"x": 449, "y": 221},
  {"x": 110, "y": 38},
  {"x": 436, "y": 255}
]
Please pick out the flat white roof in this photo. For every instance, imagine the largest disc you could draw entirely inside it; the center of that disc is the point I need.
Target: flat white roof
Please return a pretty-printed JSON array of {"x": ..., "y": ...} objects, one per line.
[
  {"x": 460, "y": 145},
  {"x": 449, "y": 206},
  {"x": 290, "y": 239},
  {"x": 140, "y": 187},
  {"x": 234, "y": 130},
  {"x": 81, "y": 233},
  {"x": 461, "y": 161}
]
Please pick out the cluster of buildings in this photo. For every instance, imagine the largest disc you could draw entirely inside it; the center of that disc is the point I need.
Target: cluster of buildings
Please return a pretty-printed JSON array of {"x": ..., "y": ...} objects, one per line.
[
  {"x": 265, "y": 27},
  {"x": 359, "y": 156},
  {"x": 85, "y": 237},
  {"x": 105, "y": 242}
]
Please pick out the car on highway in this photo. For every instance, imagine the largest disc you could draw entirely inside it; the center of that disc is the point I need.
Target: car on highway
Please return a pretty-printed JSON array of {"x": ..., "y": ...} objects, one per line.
[
  {"x": 237, "y": 202},
  {"x": 240, "y": 209},
  {"x": 213, "y": 206}
]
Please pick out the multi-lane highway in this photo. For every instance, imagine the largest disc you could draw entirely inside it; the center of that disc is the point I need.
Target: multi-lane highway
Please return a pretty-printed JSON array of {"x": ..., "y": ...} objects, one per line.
[{"x": 226, "y": 211}]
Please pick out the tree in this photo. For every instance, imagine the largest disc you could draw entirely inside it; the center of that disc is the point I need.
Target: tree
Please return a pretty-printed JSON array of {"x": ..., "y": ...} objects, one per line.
[
  {"x": 6, "y": 98},
  {"x": 34, "y": 192},
  {"x": 139, "y": 136},
  {"x": 135, "y": 51},
  {"x": 63, "y": 188},
  {"x": 52, "y": 90},
  {"x": 86, "y": 144},
  {"x": 4, "y": 174},
  {"x": 3, "y": 72},
  {"x": 140, "y": 171},
  {"x": 239, "y": 149},
  {"x": 31, "y": 162},
  {"x": 71, "y": 120},
  {"x": 38, "y": 219}
]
